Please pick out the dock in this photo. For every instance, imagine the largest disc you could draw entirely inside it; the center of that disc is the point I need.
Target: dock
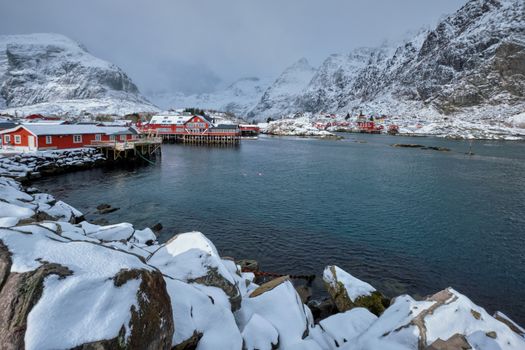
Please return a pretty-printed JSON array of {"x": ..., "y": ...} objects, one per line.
[{"x": 145, "y": 148}]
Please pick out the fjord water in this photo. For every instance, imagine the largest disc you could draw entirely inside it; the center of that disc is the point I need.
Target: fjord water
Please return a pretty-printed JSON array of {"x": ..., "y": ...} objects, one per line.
[{"x": 406, "y": 220}]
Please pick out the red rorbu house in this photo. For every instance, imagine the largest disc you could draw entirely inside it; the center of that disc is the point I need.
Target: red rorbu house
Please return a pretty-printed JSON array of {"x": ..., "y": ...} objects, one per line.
[
  {"x": 191, "y": 128},
  {"x": 368, "y": 126},
  {"x": 38, "y": 137}
]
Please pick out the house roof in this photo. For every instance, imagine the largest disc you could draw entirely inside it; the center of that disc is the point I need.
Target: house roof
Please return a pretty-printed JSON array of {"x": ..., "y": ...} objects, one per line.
[
  {"x": 170, "y": 119},
  {"x": 71, "y": 129},
  {"x": 7, "y": 125},
  {"x": 226, "y": 126}
]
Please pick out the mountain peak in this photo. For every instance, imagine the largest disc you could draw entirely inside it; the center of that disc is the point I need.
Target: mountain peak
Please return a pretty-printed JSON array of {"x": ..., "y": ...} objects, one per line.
[{"x": 46, "y": 68}]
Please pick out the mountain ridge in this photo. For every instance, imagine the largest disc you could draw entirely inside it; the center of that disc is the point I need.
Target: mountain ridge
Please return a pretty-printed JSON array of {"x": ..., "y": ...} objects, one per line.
[{"x": 52, "y": 71}]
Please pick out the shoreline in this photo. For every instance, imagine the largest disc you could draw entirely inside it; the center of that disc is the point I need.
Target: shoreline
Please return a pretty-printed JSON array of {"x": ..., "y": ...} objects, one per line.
[{"x": 236, "y": 292}]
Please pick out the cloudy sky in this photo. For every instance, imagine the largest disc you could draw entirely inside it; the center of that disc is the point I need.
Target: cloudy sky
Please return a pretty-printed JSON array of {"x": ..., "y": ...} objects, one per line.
[{"x": 199, "y": 45}]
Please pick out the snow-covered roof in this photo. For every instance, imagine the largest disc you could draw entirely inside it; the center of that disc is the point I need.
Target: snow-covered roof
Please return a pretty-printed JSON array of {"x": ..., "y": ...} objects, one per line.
[
  {"x": 70, "y": 129},
  {"x": 170, "y": 119}
]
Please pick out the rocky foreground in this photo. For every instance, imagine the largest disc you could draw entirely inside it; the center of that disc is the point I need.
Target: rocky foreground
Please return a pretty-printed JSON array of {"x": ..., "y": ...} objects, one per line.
[{"x": 66, "y": 283}]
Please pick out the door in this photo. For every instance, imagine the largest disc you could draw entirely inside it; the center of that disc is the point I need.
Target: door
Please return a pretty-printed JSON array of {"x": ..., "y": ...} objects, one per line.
[{"x": 31, "y": 142}]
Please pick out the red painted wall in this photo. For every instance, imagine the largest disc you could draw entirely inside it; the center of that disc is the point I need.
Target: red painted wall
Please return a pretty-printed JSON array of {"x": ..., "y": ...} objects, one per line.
[
  {"x": 66, "y": 141},
  {"x": 57, "y": 141},
  {"x": 24, "y": 138}
]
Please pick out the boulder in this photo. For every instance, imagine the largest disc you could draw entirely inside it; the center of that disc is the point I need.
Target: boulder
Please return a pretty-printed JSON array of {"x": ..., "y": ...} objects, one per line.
[
  {"x": 259, "y": 334},
  {"x": 118, "y": 301},
  {"x": 278, "y": 303},
  {"x": 348, "y": 292},
  {"x": 445, "y": 320},
  {"x": 248, "y": 265},
  {"x": 199, "y": 321},
  {"x": 455, "y": 342},
  {"x": 192, "y": 258},
  {"x": 343, "y": 327},
  {"x": 157, "y": 227}
]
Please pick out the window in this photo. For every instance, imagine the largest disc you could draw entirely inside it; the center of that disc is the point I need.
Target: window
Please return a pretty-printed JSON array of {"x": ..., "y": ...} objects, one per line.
[
  {"x": 49, "y": 140},
  {"x": 122, "y": 137},
  {"x": 112, "y": 137},
  {"x": 98, "y": 137},
  {"x": 77, "y": 138},
  {"x": 7, "y": 139},
  {"x": 18, "y": 139},
  {"x": 134, "y": 137}
]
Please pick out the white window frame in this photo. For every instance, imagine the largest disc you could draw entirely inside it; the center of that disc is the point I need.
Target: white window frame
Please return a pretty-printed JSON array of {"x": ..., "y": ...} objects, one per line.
[
  {"x": 112, "y": 137},
  {"x": 77, "y": 138},
  {"x": 7, "y": 139},
  {"x": 98, "y": 137},
  {"x": 122, "y": 137},
  {"x": 49, "y": 139},
  {"x": 18, "y": 139}
]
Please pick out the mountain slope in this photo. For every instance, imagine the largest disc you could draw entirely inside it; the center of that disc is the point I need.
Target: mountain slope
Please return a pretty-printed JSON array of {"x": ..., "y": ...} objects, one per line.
[
  {"x": 238, "y": 98},
  {"x": 54, "y": 74},
  {"x": 285, "y": 88},
  {"x": 471, "y": 65}
]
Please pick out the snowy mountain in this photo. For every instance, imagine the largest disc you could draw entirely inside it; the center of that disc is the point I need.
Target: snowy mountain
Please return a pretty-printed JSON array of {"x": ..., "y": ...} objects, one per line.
[
  {"x": 52, "y": 74},
  {"x": 286, "y": 88},
  {"x": 238, "y": 98},
  {"x": 469, "y": 66}
]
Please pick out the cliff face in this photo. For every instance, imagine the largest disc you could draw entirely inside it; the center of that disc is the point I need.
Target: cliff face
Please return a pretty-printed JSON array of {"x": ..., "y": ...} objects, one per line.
[
  {"x": 51, "y": 68},
  {"x": 471, "y": 64}
]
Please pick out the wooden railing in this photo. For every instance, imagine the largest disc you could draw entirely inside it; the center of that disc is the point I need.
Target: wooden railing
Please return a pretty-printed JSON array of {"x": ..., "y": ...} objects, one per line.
[{"x": 127, "y": 144}]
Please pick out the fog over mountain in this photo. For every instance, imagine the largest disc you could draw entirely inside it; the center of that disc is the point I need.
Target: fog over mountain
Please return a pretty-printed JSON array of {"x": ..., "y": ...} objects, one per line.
[{"x": 204, "y": 45}]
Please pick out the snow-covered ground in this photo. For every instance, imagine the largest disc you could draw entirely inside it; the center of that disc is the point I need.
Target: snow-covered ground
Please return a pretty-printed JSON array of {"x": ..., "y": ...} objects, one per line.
[
  {"x": 301, "y": 124},
  {"x": 70, "y": 282}
]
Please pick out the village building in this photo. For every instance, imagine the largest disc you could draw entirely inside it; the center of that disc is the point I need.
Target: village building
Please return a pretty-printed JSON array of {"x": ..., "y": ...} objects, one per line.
[
  {"x": 191, "y": 129},
  {"x": 37, "y": 136}
]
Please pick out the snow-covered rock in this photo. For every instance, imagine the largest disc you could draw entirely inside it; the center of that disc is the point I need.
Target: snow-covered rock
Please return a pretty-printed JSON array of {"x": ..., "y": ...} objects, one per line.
[
  {"x": 200, "y": 320},
  {"x": 349, "y": 292},
  {"x": 411, "y": 324},
  {"x": 192, "y": 258},
  {"x": 278, "y": 303},
  {"x": 36, "y": 164},
  {"x": 52, "y": 74},
  {"x": 64, "y": 293}
]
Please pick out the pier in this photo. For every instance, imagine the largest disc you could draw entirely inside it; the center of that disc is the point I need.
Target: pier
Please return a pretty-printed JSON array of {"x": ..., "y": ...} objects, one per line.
[
  {"x": 145, "y": 148},
  {"x": 191, "y": 129}
]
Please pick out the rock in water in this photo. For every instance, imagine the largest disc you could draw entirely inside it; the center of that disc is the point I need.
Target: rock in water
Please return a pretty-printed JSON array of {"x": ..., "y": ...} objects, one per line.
[{"x": 348, "y": 292}]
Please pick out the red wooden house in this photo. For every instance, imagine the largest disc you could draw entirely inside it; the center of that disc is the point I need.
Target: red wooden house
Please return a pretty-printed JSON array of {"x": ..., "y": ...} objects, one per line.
[
  {"x": 177, "y": 124},
  {"x": 36, "y": 137}
]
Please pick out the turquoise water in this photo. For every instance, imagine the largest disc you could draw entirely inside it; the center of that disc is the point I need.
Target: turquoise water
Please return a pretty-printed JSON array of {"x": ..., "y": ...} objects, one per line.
[{"x": 405, "y": 220}]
